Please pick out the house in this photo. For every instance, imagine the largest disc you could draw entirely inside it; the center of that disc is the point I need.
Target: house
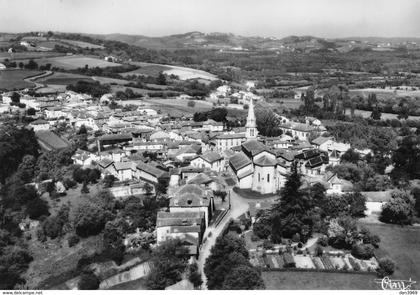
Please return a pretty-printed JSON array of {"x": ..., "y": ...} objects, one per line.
[
  {"x": 322, "y": 143},
  {"x": 123, "y": 171},
  {"x": 149, "y": 173},
  {"x": 229, "y": 140},
  {"x": 312, "y": 162},
  {"x": 193, "y": 198},
  {"x": 39, "y": 125},
  {"x": 49, "y": 141},
  {"x": 189, "y": 172},
  {"x": 212, "y": 125},
  {"x": 298, "y": 130},
  {"x": 187, "y": 153},
  {"x": 336, "y": 185},
  {"x": 211, "y": 160},
  {"x": 186, "y": 226},
  {"x": 83, "y": 158}
]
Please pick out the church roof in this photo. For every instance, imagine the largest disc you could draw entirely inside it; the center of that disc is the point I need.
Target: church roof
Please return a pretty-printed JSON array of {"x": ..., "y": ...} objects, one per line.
[
  {"x": 265, "y": 161},
  {"x": 239, "y": 161},
  {"x": 253, "y": 147}
]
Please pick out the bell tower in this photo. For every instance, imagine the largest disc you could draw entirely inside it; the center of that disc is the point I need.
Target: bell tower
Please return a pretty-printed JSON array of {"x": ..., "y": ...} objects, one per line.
[{"x": 251, "y": 123}]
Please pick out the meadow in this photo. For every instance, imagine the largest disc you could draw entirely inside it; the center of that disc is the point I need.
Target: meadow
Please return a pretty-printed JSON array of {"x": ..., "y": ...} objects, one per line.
[
  {"x": 14, "y": 79},
  {"x": 64, "y": 79},
  {"x": 72, "y": 62}
]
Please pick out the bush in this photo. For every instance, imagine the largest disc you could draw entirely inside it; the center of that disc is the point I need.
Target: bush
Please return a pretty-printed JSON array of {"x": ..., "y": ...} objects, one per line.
[
  {"x": 254, "y": 238},
  {"x": 37, "y": 208},
  {"x": 267, "y": 244},
  {"x": 73, "y": 240},
  {"x": 362, "y": 251},
  {"x": 323, "y": 241},
  {"x": 296, "y": 238},
  {"x": 386, "y": 267},
  {"x": 88, "y": 281},
  {"x": 52, "y": 227},
  {"x": 69, "y": 183},
  {"x": 300, "y": 245},
  {"x": 319, "y": 251}
]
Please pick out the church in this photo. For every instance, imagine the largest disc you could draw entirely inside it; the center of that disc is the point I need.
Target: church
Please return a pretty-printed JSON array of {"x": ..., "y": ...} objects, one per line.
[{"x": 256, "y": 166}]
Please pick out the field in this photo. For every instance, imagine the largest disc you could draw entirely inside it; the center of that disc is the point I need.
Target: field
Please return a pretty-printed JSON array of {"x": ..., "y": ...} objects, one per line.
[
  {"x": 291, "y": 280},
  {"x": 71, "y": 62},
  {"x": 14, "y": 79},
  {"x": 132, "y": 285},
  {"x": 64, "y": 79},
  {"x": 402, "y": 244},
  {"x": 384, "y": 116},
  {"x": 149, "y": 69},
  {"x": 170, "y": 105},
  {"x": 385, "y": 93},
  {"x": 188, "y": 73},
  {"x": 106, "y": 80},
  {"x": 81, "y": 44},
  {"x": 28, "y": 55}
]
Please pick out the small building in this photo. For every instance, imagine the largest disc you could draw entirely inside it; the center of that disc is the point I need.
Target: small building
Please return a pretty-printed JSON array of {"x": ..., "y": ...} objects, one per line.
[
  {"x": 49, "y": 141},
  {"x": 39, "y": 125},
  {"x": 211, "y": 160}
]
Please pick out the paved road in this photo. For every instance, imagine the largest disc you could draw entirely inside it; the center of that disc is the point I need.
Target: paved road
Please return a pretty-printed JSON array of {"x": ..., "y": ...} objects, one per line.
[{"x": 239, "y": 207}]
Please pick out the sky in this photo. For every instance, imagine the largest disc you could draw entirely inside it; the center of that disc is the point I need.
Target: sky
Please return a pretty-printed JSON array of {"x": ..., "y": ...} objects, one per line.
[{"x": 276, "y": 18}]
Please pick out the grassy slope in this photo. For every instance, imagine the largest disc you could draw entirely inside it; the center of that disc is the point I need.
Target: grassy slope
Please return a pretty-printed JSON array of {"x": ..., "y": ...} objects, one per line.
[{"x": 13, "y": 79}]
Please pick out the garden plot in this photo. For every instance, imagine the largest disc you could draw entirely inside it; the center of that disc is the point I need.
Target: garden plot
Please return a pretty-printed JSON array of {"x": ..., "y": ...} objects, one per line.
[
  {"x": 318, "y": 263},
  {"x": 337, "y": 262},
  {"x": 303, "y": 261}
]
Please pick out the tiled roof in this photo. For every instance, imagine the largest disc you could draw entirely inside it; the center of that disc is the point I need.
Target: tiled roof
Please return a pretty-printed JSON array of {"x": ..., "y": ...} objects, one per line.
[
  {"x": 191, "y": 195},
  {"x": 156, "y": 172},
  {"x": 265, "y": 161},
  {"x": 179, "y": 218},
  {"x": 239, "y": 161},
  {"x": 211, "y": 157},
  {"x": 320, "y": 140},
  {"x": 230, "y": 136}
]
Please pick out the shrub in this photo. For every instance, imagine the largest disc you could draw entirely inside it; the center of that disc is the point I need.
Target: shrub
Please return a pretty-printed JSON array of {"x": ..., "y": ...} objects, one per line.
[
  {"x": 300, "y": 245},
  {"x": 69, "y": 183},
  {"x": 323, "y": 241},
  {"x": 37, "y": 208},
  {"x": 52, "y": 227},
  {"x": 267, "y": 244},
  {"x": 88, "y": 281},
  {"x": 296, "y": 238},
  {"x": 73, "y": 240},
  {"x": 362, "y": 251},
  {"x": 386, "y": 267},
  {"x": 319, "y": 251},
  {"x": 254, "y": 238},
  {"x": 41, "y": 235}
]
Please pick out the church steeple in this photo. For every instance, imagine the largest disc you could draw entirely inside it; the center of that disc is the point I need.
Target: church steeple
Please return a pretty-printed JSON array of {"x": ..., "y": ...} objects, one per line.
[{"x": 251, "y": 122}]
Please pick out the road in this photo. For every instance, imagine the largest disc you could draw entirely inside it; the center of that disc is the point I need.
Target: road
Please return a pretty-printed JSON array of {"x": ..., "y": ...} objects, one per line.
[
  {"x": 239, "y": 207},
  {"x": 38, "y": 85}
]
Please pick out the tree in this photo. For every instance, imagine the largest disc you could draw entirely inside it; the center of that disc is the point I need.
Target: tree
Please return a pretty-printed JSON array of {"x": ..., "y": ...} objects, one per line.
[
  {"x": 357, "y": 204},
  {"x": 290, "y": 212},
  {"x": 114, "y": 241},
  {"x": 161, "y": 79},
  {"x": 376, "y": 114},
  {"x": 15, "y": 143},
  {"x": 31, "y": 112},
  {"x": 168, "y": 263},
  {"x": 15, "y": 97},
  {"x": 362, "y": 251},
  {"x": 386, "y": 267},
  {"x": 308, "y": 101},
  {"x": 148, "y": 188},
  {"x": 26, "y": 168},
  {"x": 243, "y": 278},
  {"x": 267, "y": 123},
  {"x": 194, "y": 276},
  {"x": 406, "y": 159},
  {"x": 88, "y": 281},
  {"x": 52, "y": 227},
  {"x": 162, "y": 186},
  {"x": 89, "y": 219},
  {"x": 416, "y": 194},
  {"x": 191, "y": 103},
  {"x": 399, "y": 209},
  {"x": 31, "y": 65},
  {"x": 37, "y": 208},
  {"x": 228, "y": 252},
  {"x": 109, "y": 180}
]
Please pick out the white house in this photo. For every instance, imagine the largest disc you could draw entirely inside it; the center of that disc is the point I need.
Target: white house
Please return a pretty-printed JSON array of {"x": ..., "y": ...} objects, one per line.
[
  {"x": 39, "y": 125},
  {"x": 211, "y": 160}
]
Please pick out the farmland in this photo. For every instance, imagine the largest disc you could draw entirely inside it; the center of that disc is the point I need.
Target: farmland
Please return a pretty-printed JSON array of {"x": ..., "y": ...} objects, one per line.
[
  {"x": 146, "y": 69},
  {"x": 64, "y": 79},
  {"x": 71, "y": 62},
  {"x": 28, "y": 55},
  {"x": 81, "y": 44},
  {"x": 14, "y": 79},
  {"x": 291, "y": 280},
  {"x": 149, "y": 69}
]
